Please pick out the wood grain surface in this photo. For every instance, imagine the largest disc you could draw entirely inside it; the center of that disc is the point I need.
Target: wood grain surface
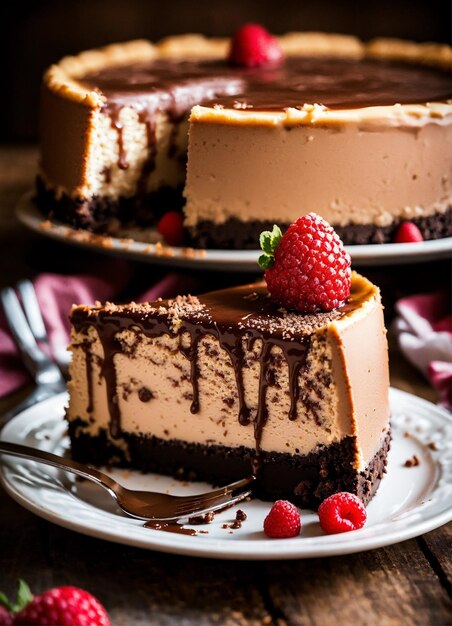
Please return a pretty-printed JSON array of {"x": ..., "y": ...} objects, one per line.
[{"x": 406, "y": 584}]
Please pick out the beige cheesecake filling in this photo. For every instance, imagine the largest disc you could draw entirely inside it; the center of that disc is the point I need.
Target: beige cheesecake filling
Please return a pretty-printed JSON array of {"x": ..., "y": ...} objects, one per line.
[
  {"x": 90, "y": 164},
  {"x": 343, "y": 389},
  {"x": 354, "y": 172}
]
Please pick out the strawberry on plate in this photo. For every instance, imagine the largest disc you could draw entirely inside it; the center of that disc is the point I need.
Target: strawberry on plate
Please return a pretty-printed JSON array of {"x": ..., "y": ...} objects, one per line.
[
  {"x": 283, "y": 521},
  {"x": 341, "y": 513}
]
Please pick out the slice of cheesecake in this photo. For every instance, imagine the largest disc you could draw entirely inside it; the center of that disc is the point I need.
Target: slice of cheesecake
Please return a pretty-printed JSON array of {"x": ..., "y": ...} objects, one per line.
[{"x": 216, "y": 386}]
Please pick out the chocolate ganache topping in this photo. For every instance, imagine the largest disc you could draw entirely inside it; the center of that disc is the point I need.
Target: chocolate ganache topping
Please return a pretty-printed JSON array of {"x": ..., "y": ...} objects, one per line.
[
  {"x": 334, "y": 82},
  {"x": 235, "y": 317}
]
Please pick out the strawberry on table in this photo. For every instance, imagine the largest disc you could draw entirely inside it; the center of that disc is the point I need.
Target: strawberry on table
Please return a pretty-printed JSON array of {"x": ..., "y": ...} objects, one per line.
[
  {"x": 6, "y": 617},
  {"x": 61, "y": 606}
]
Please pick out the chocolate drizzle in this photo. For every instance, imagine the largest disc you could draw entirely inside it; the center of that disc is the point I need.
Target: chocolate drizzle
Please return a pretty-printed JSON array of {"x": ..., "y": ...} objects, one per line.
[
  {"x": 111, "y": 347},
  {"x": 89, "y": 377},
  {"x": 148, "y": 167},
  {"x": 295, "y": 360},
  {"x": 230, "y": 316},
  {"x": 86, "y": 347},
  {"x": 114, "y": 113},
  {"x": 191, "y": 353},
  {"x": 234, "y": 347}
]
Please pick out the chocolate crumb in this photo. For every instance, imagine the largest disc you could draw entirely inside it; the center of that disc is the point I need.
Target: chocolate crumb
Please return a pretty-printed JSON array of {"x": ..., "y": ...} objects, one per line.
[
  {"x": 432, "y": 445},
  {"x": 413, "y": 462},
  {"x": 225, "y": 526},
  {"x": 406, "y": 434},
  {"x": 145, "y": 394},
  {"x": 205, "y": 518},
  {"x": 236, "y": 524},
  {"x": 241, "y": 515}
]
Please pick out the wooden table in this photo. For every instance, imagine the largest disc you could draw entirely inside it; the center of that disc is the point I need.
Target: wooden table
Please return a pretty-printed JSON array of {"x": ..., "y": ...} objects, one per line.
[{"x": 409, "y": 583}]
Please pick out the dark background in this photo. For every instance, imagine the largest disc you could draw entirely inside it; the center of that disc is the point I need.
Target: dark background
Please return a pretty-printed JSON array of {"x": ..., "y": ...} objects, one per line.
[{"x": 36, "y": 34}]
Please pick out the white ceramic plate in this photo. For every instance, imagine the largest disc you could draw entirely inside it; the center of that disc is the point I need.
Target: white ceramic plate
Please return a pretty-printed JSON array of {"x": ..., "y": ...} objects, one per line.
[
  {"x": 223, "y": 260},
  {"x": 410, "y": 501}
]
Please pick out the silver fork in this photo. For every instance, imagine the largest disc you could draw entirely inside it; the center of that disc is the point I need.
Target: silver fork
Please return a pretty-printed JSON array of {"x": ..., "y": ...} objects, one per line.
[
  {"x": 27, "y": 327},
  {"x": 140, "y": 504}
]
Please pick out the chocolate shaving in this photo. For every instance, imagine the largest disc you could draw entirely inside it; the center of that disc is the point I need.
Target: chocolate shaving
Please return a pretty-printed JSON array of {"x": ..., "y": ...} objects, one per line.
[
  {"x": 413, "y": 462},
  {"x": 205, "y": 518}
]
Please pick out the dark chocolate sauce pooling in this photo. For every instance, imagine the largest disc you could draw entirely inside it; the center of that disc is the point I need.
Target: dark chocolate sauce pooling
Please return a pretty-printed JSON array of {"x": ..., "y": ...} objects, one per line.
[{"x": 232, "y": 316}]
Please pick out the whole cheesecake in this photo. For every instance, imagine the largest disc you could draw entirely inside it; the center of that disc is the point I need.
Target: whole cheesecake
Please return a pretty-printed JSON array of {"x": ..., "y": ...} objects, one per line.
[
  {"x": 359, "y": 133},
  {"x": 217, "y": 386}
]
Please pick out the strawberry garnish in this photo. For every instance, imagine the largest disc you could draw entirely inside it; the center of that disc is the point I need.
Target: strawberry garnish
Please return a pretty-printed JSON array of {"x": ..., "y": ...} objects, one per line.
[
  {"x": 283, "y": 521},
  {"x": 407, "y": 232},
  {"x": 307, "y": 268},
  {"x": 341, "y": 513},
  {"x": 253, "y": 46},
  {"x": 171, "y": 227}
]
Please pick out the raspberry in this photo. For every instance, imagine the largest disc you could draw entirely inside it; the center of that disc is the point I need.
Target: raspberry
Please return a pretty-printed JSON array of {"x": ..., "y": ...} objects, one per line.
[
  {"x": 253, "y": 46},
  {"x": 407, "y": 232},
  {"x": 63, "y": 606},
  {"x": 341, "y": 513},
  {"x": 171, "y": 228},
  {"x": 307, "y": 268},
  {"x": 6, "y": 618},
  {"x": 283, "y": 521}
]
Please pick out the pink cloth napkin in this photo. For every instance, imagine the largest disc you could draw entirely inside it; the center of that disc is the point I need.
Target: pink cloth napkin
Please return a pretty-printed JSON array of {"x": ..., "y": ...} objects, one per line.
[
  {"x": 56, "y": 294},
  {"x": 424, "y": 331}
]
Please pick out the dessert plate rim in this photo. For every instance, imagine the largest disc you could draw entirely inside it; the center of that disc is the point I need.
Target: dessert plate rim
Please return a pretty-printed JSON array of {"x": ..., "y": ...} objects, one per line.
[
  {"x": 219, "y": 260},
  {"x": 55, "y": 500}
]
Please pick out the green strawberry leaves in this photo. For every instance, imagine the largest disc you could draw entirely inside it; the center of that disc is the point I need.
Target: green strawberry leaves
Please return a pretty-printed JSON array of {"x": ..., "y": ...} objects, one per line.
[
  {"x": 24, "y": 597},
  {"x": 269, "y": 241}
]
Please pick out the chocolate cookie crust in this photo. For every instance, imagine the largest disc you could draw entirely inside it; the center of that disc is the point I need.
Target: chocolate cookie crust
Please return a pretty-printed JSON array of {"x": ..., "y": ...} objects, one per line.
[
  {"x": 235, "y": 234},
  {"x": 105, "y": 216},
  {"x": 305, "y": 480},
  {"x": 102, "y": 215}
]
